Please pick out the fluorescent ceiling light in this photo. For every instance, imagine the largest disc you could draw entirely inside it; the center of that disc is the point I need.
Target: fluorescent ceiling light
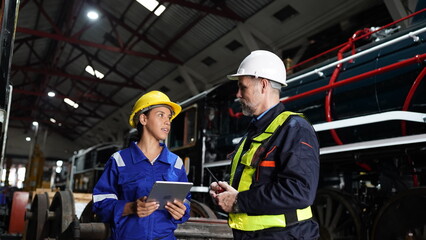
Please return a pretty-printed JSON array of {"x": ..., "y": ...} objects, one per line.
[
  {"x": 151, "y": 5},
  {"x": 27, "y": 139},
  {"x": 71, "y": 102},
  {"x": 92, "y": 15},
  {"x": 51, "y": 94},
  {"x": 160, "y": 10},
  {"x": 53, "y": 120},
  {"x": 94, "y": 72},
  {"x": 35, "y": 123}
]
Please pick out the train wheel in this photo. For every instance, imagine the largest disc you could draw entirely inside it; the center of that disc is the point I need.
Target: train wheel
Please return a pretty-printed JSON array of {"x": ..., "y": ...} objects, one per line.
[
  {"x": 201, "y": 210},
  {"x": 61, "y": 213},
  {"x": 338, "y": 216},
  {"x": 402, "y": 217},
  {"x": 88, "y": 216},
  {"x": 37, "y": 218}
]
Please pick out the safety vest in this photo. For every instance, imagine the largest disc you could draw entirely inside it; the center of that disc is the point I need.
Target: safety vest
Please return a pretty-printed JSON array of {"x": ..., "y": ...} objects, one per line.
[{"x": 242, "y": 221}]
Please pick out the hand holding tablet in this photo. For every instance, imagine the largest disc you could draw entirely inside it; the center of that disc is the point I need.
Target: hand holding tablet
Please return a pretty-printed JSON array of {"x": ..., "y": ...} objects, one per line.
[{"x": 166, "y": 191}]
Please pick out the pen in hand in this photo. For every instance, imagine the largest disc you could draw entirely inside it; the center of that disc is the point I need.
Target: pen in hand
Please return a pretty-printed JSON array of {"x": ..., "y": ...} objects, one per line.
[{"x": 216, "y": 180}]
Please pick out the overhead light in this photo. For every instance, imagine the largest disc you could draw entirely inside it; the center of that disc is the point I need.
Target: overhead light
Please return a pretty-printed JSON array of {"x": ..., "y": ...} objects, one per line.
[
  {"x": 35, "y": 124},
  {"x": 92, "y": 15},
  {"x": 27, "y": 139},
  {"x": 151, "y": 5},
  {"x": 94, "y": 72},
  {"x": 59, "y": 124},
  {"x": 51, "y": 94},
  {"x": 53, "y": 120},
  {"x": 160, "y": 10},
  {"x": 71, "y": 102}
]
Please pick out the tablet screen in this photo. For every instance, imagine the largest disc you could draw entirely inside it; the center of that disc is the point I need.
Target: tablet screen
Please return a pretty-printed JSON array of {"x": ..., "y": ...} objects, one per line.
[{"x": 166, "y": 191}]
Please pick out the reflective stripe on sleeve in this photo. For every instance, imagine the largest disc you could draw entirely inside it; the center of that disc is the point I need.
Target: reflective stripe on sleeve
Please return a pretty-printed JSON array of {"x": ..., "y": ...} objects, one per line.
[
  {"x": 118, "y": 159},
  {"x": 100, "y": 197},
  {"x": 179, "y": 163}
]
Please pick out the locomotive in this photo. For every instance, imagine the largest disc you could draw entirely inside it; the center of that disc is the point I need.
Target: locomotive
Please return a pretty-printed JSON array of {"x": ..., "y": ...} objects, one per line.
[
  {"x": 367, "y": 104},
  {"x": 368, "y": 107}
]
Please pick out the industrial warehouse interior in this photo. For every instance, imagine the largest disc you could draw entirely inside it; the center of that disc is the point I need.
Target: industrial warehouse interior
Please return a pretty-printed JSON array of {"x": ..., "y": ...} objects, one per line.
[{"x": 71, "y": 71}]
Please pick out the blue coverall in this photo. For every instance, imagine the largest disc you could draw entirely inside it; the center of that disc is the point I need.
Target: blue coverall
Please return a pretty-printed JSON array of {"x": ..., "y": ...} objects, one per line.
[{"x": 129, "y": 175}]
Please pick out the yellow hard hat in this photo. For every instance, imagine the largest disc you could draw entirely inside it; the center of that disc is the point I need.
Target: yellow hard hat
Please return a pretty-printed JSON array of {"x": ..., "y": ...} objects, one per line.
[{"x": 151, "y": 99}]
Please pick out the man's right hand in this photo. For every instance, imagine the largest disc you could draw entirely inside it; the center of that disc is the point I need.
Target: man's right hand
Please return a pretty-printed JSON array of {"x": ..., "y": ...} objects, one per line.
[
  {"x": 224, "y": 195},
  {"x": 215, "y": 189}
]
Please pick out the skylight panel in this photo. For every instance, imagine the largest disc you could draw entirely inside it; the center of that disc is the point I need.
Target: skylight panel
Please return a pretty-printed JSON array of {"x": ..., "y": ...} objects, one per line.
[
  {"x": 94, "y": 72},
  {"x": 151, "y": 5}
]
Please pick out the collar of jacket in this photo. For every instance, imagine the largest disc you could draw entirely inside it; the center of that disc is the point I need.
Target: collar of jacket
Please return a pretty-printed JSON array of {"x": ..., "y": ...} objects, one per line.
[
  {"x": 138, "y": 156},
  {"x": 264, "y": 121}
]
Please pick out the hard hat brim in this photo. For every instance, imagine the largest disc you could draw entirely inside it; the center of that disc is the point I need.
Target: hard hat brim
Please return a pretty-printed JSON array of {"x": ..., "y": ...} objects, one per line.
[
  {"x": 176, "y": 108},
  {"x": 235, "y": 76}
]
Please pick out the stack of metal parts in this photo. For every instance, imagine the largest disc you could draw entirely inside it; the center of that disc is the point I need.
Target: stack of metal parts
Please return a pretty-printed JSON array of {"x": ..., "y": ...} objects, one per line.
[{"x": 59, "y": 221}]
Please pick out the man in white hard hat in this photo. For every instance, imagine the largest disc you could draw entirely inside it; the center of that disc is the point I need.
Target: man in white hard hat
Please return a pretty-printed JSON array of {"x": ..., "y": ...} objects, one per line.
[{"x": 275, "y": 168}]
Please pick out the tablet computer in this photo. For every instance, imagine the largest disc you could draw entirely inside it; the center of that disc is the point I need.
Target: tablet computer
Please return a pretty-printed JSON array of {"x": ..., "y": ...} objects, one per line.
[{"x": 166, "y": 191}]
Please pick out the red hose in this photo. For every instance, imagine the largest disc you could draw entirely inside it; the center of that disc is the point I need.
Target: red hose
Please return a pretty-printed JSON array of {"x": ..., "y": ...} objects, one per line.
[
  {"x": 410, "y": 96},
  {"x": 407, "y": 102},
  {"x": 356, "y": 39},
  {"x": 334, "y": 76},
  {"x": 390, "y": 67}
]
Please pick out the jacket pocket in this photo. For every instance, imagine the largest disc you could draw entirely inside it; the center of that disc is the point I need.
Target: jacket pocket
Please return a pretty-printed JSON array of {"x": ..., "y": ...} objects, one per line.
[
  {"x": 134, "y": 185},
  {"x": 170, "y": 176},
  {"x": 266, "y": 167}
]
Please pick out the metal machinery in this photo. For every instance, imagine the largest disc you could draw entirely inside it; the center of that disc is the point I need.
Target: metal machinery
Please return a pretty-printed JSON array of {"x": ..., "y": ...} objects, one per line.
[
  {"x": 59, "y": 221},
  {"x": 8, "y": 211},
  {"x": 368, "y": 107},
  {"x": 60, "y": 218},
  {"x": 88, "y": 165}
]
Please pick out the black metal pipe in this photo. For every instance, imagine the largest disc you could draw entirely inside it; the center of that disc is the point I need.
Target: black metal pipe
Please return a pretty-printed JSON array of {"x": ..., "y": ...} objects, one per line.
[{"x": 7, "y": 37}]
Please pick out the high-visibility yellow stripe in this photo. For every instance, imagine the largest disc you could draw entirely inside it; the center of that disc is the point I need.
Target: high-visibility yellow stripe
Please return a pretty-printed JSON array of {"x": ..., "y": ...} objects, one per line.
[{"x": 242, "y": 221}]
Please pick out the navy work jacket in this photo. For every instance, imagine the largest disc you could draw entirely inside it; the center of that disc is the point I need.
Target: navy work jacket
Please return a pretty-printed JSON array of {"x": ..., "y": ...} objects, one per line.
[{"x": 293, "y": 182}]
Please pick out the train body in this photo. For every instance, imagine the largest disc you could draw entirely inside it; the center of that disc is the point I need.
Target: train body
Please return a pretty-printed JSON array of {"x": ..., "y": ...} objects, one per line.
[{"x": 368, "y": 107}]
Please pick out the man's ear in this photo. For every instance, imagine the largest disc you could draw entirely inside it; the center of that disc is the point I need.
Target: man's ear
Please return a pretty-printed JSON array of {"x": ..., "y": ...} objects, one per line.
[{"x": 264, "y": 84}]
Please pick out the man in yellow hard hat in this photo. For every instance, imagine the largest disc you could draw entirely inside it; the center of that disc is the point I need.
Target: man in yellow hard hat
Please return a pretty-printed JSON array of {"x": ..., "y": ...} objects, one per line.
[{"x": 119, "y": 196}]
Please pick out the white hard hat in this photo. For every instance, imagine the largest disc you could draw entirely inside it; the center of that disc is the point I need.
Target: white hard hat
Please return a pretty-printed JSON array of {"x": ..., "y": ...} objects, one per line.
[{"x": 263, "y": 64}]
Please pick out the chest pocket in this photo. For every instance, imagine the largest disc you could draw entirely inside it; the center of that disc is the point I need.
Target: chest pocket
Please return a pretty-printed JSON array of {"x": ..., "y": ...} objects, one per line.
[
  {"x": 170, "y": 175},
  {"x": 133, "y": 185},
  {"x": 172, "y": 172}
]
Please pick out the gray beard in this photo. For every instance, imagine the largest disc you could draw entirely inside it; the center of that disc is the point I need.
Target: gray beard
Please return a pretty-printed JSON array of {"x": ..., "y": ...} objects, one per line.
[{"x": 247, "y": 110}]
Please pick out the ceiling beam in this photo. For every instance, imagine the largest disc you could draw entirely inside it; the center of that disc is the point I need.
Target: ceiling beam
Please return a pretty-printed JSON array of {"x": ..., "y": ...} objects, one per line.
[
  {"x": 63, "y": 38},
  {"x": 140, "y": 36},
  {"x": 43, "y": 94},
  {"x": 56, "y": 72},
  {"x": 110, "y": 68},
  {"x": 226, "y": 12},
  {"x": 27, "y": 108}
]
